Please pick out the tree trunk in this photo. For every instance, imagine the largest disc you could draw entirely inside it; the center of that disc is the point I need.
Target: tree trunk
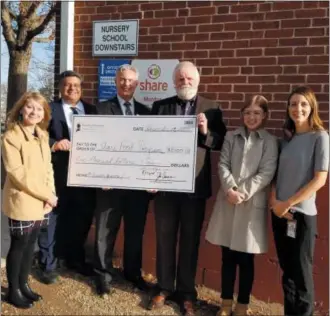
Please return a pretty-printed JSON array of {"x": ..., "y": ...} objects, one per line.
[
  {"x": 17, "y": 83},
  {"x": 18, "y": 71}
]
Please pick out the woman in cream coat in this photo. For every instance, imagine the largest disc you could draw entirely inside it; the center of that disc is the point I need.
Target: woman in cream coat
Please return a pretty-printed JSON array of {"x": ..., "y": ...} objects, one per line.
[
  {"x": 29, "y": 193},
  {"x": 239, "y": 220}
]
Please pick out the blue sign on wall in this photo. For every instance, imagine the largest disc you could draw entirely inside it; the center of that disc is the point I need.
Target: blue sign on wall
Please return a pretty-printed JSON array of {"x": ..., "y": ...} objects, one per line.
[{"x": 107, "y": 75}]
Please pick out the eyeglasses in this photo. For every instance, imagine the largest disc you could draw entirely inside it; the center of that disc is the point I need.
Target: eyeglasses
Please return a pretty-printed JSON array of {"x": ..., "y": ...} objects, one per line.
[{"x": 74, "y": 86}]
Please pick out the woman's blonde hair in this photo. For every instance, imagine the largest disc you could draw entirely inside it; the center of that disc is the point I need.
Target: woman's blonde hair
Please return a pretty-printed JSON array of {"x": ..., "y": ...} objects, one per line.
[
  {"x": 314, "y": 119},
  {"x": 14, "y": 116}
]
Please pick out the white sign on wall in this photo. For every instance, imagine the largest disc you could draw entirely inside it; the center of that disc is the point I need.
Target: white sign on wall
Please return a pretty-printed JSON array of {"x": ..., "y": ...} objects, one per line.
[
  {"x": 115, "y": 38},
  {"x": 155, "y": 79}
]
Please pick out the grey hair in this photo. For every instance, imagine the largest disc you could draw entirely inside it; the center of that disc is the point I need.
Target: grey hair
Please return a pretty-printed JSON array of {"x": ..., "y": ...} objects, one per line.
[
  {"x": 127, "y": 67},
  {"x": 183, "y": 64}
]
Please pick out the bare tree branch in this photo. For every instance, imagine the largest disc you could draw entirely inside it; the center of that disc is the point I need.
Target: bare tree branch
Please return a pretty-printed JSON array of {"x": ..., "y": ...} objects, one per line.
[
  {"x": 43, "y": 39},
  {"x": 50, "y": 15},
  {"x": 32, "y": 19},
  {"x": 13, "y": 16},
  {"x": 7, "y": 28},
  {"x": 22, "y": 21},
  {"x": 35, "y": 21},
  {"x": 26, "y": 19},
  {"x": 32, "y": 9}
]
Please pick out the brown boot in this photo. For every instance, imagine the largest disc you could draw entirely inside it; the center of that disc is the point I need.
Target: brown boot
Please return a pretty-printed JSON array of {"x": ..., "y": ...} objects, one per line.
[
  {"x": 158, "y": 300},
  {"x": 226, "y": 308},
  {"x": 241, "y": 310}
]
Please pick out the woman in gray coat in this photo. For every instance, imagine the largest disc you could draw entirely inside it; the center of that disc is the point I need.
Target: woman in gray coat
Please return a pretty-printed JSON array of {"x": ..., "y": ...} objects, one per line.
[{"x": 238, "y": 223}]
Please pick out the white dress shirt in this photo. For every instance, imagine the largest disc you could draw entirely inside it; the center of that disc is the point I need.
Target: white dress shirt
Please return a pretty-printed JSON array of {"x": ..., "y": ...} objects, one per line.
[
  {"x": 69, "y": 114},
  {"x": 123, "y": 107}
]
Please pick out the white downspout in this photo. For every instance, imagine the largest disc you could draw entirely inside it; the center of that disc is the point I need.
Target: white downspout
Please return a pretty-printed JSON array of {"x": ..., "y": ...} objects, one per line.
[{"x": 67, "y": 35}]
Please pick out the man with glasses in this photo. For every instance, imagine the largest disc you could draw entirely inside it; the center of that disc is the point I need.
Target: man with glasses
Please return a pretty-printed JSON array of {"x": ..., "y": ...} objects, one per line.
[{"x": 70, "y": 221}]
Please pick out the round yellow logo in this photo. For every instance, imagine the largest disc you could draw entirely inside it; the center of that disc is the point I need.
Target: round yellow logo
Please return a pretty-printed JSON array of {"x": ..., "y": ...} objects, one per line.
[{"x": 154, "y": 71}]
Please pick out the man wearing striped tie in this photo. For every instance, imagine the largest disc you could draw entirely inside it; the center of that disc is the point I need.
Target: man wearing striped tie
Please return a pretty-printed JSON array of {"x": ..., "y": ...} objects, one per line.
[{"x": 114, "y": 204}]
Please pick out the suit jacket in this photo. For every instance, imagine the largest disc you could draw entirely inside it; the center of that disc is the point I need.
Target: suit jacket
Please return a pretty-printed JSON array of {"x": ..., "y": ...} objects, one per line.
[
  {"x": 212, "y": 141},
  {"x": 58, "y": 130},
  {"x": 112, "y": 107},
  {"x": 29, "y": 180}
]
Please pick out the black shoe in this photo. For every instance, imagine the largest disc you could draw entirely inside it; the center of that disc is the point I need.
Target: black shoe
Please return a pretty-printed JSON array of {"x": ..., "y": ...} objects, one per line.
[
  {"x": 117, "y": 274},
  {"x": 84, "y": 269},
  {"x": 102, "y": 286},
  {"x": 47, "y": 277},
  {"x": 29, "y": 294},
  {"x": 140, "y": 284},
  {"x": 16, "y": 298}
]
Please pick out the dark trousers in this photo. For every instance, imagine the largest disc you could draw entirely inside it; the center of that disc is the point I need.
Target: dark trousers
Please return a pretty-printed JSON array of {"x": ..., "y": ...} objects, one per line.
[
  {"x": 111, "y": 207},
  {"x": 296, "y": 260},
  {"x": 70, "y": 222},
  {"x": 46, "y": 243},
  {"x": 178, "y": 212},
  {"x": 20, "y": 257},
  {"x": 245, "y": 261}
]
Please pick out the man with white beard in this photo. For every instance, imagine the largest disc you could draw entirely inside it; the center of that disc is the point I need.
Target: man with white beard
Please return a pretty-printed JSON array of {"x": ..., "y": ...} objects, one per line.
[{"x": 185, "y": 211}]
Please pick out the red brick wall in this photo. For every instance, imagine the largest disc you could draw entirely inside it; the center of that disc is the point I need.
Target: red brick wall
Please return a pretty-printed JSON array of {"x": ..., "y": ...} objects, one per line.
[{"x": 240, "y": 48}]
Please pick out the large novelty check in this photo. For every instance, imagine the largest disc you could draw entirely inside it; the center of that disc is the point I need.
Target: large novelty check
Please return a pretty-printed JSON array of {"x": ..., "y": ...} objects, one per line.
[{"x": 133, "y": 152}]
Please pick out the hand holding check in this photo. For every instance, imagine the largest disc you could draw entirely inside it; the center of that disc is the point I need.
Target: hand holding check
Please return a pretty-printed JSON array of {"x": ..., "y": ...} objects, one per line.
[
  {"x": 202, "y": 123},
  {"x": 62, "y": 145}
]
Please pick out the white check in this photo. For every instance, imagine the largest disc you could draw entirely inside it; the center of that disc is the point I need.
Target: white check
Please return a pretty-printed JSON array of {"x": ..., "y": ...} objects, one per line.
[{"x": 133, "y": 152}]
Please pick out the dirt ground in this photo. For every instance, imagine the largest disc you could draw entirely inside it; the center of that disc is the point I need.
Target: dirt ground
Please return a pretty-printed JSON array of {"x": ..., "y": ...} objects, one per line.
[{"x": 74, "y": 295}]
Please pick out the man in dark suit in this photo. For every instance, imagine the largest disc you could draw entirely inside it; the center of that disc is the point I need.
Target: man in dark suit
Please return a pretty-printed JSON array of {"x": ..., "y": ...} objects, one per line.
[
  {"x": 113, "y": 204},
  {"x": 70, "y": 221},
  {"x": 184, "y": 210}
]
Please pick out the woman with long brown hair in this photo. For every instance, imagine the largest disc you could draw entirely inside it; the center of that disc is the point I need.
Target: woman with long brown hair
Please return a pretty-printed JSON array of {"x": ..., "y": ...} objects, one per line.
[
  {"x": 29, "y": 192},
  {"x": 302, "y": 171}
]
